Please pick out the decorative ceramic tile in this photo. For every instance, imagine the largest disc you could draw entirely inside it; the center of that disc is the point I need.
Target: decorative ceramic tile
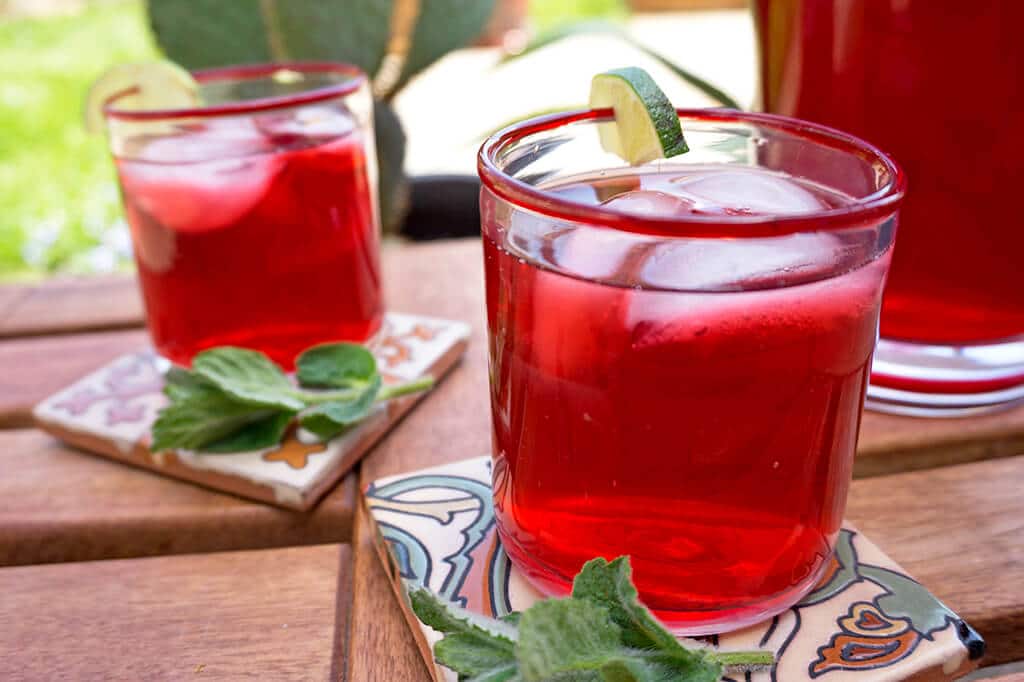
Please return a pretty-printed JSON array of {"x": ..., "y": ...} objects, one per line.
[
  {"x": 866, "y": 620},
  {"x": 110, "y": 413}
]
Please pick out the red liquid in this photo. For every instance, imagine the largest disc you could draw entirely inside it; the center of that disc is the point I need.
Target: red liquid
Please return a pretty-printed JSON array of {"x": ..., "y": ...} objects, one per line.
[
  {"x": 937, "y": 85},
  {"x": 257, "y": 234},
  {"x": 710, "y": 436}
]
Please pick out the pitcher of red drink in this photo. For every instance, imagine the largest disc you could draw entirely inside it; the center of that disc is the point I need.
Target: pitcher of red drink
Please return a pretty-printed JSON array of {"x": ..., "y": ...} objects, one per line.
[
  {"x": 253, "y": 217},
  {"x": 936, "y": 83}
]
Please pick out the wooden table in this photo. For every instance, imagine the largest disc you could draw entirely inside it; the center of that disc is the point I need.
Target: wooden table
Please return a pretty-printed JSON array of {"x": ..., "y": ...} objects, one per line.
[{"x": 165, "y": 579}]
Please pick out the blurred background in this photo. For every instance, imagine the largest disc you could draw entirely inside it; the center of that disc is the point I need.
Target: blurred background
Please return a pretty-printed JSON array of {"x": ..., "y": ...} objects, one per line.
[{"x": 446, "y": 72}]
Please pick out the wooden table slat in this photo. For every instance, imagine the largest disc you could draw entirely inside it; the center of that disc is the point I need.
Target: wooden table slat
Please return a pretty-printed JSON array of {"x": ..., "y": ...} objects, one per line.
[
  {"x": 269, "y": 614},
  {"x": 31, "y": 368},
  {"x": 70, "y": 304},
  {"x": 65, "y": 505},
  {"x": 381, "y": 645},
  {"x": 959, "y": 531}
]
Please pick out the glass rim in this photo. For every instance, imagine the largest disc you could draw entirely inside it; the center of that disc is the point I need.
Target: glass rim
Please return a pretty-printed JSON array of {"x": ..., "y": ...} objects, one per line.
[
  {"x": 356, "y": 79},
  {"x": 876, "y": 205}
]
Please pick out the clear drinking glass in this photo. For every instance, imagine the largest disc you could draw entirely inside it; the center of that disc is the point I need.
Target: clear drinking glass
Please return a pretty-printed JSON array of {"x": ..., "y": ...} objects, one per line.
[
  {"x": 679, "y": 353},
  {"x": 901, "y": 74},
  {"x": 254, "y": 218}
]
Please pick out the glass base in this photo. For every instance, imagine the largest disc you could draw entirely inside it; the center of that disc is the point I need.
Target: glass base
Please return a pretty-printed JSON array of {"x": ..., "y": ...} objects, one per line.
[
  {"x": 692, "y": 623},
  {"x": 922, "y": 380}
]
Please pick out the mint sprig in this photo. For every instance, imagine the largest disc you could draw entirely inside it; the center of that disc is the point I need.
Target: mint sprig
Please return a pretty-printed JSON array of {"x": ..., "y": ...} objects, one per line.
[
  {"x": 237, "y": 400},
  {"x": 602, "y": 633}
]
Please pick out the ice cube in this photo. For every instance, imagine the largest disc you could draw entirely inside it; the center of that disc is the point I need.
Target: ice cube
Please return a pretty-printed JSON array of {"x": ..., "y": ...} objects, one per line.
[
  {"x": 305, "y": 127},
  {"x": 594, "y": 253},
  {"x": 732, "y": 264},
  {"x": 198, "y": 196},
  {"x": 651, "y": 203},
  {"x": 745, "y": 192},
  {"x": 216, "y": 139},
  {"x": 588, "y": 252}
]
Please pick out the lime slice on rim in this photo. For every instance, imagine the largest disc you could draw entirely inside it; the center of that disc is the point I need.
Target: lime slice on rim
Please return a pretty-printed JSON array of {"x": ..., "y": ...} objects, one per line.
[
  {"x": 646, "y": 126},
  {"x": 147, "y": 85}
]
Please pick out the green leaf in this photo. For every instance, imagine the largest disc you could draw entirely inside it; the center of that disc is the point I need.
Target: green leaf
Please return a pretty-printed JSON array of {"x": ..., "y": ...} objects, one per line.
[
  {"x": 639, "y": 669},
  {"x": 202, "y": 33},
  {"x": 475, "y": 646},
  {"x": 329, "y": 419},
  {"x": 265, "y": 433},
  {"x": 504, "y": 673},
  {"x": 205, "y": 33},
  {"x": 248, "y": 376},
  {"x": 512, "y": 618},
  {"x": 443, "y": 26},
  {"x": 207, "y": 416},
  {"x": 610, "y": 585},
  {"x": 350, "y": 31},
  {"x": 560, "y": 636},
  {"x": 180, "y": 384},
  {"x": 448, "y": 618},
  {"x": 335, "y": 365},
  {"x": 469, "y": 654}
]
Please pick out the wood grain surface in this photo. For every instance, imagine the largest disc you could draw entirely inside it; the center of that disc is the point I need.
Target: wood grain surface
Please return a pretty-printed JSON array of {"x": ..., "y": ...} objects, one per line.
[
  {"x": 34, "y": 367},
  {"x": 67, "y": 505},
  {"x": 960, "y": 531},
  {"x": 381, "y": 645},
  {"x": 266, "y": 614},
  {"x": 892, "y": 444},
  {"x": 70, "y": 304}
]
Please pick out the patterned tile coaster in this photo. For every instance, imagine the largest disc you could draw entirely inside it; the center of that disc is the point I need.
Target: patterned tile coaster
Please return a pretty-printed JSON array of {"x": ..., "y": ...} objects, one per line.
[
  {"x": 866, "y": 620},
  {"x": 110, "y": 413}
]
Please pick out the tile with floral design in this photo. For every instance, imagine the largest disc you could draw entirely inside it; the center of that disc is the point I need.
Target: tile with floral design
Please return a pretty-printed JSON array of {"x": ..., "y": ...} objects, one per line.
[
  {"x": 110, "y": 412},
  {"x": 867, "y": 620}
]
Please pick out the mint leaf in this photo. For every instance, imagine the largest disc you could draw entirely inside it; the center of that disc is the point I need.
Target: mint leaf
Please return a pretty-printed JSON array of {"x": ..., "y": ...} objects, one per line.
[
  {"x": 450, "y": 619},
  {"x": 468, "y": 654},
  {"x": 610, "y": 585},
  {"x": 562, "y": 636},
  {"x": 257, "y": 435},
  {"x": 207, "y": 416},
  {"x": 327, "y": 420},
  {"x": 248, "y": 376},
  {"x": 475, "y": 646},
  {"x": 511, "y": 618},
  {"x": 505, "y": 673},
  {"x": 600, "y": 634},
  {"x": 321, "y": 426},
  {"x": 335, "y": 365},
  {"x": 181, "y": 384},
  {"x": 638, "y": 669}
]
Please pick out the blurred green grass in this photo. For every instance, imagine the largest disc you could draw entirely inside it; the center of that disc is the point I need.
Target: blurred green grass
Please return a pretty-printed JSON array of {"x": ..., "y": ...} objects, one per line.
[{"x": 58, "y": 196}]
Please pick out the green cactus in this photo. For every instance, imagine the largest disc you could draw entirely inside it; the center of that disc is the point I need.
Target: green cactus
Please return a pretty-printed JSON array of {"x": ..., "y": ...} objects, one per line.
[{"x": 206, "y": 33}]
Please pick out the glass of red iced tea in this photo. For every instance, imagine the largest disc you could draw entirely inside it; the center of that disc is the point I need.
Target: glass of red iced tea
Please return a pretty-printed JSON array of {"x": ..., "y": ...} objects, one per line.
[
  {"x": 902, "y": 75},
  {"x": 679, "y": 353},
  {"x": 253, "y": 217}
]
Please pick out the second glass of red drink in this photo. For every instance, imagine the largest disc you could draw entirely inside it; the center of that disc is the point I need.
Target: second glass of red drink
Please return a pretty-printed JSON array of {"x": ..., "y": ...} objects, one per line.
[
  {"x": 253, "y": 217},
  {"x": 679, "y": 353}
]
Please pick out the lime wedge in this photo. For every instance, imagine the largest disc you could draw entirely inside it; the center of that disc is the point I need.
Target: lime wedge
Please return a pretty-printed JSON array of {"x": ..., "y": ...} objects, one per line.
[
  {"x": 148, "y": 85},
  {"x": 646, "y": 126}
]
